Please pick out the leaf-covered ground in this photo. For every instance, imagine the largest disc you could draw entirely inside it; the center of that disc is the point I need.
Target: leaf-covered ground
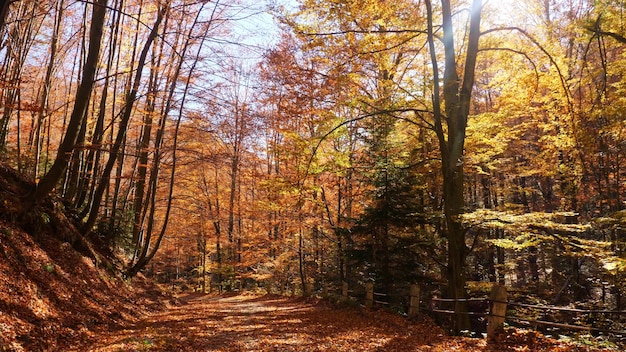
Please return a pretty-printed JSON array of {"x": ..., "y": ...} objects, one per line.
[
  {"x": 270, "y": 323},
  {"x": 52, "y": 297}
]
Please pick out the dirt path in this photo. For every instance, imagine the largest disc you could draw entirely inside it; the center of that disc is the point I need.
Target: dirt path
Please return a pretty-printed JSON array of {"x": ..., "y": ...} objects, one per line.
[{"x": 253, "y": 323}]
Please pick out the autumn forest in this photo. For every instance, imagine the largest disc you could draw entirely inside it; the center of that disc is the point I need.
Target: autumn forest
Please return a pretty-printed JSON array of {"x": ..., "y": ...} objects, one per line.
[{"x": 296, "y": 147}]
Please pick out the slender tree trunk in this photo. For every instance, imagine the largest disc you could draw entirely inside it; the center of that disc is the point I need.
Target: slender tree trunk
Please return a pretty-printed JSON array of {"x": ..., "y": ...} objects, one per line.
[
  {"x": 234, "y": 170},
  {"x": 238, "y": 135},
  {"x": 45, "y": 91},
  {"x": 142, "y": 160},
  {"x": 341, "y": 255},
  {"x": 83, "y": 94},
  {"x": 74, "y": 175},
  {"x": 301, "y": 261},
  {"x": 123, "y": 126},
  {"x": 203, "y": 253},
  {"x": 92, "y": 163},
  {"x": 214, "y": 212},
  {"x": 149, "y": 250},
  {"x": 115, "y": 219},
  {"x": 4, "y": 12}
]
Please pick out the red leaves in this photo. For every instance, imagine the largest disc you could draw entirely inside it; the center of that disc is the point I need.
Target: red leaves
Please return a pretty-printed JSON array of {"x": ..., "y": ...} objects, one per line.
[
  {"x": 51, "y": 296},
  {"x": 512, "y": 339},
  {"x": 270, "y": 323}
]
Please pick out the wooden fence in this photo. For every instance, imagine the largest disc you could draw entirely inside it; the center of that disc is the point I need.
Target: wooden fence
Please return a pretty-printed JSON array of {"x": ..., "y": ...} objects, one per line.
[{"x": 496, "y": 314}]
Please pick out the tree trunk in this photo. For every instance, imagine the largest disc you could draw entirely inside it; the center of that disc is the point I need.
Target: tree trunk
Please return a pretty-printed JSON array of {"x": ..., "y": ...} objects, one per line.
[
  {"x": 234, "y": 169},
  {"x": 92, "y": 163},
  {"x": 4, "y": 12},
  {"x": 121, "y": 133},
  {"x": 148, "y": 251},
  {"x": 456, "y": 99},
  {"x": 142, "y": 162},
  {"x": 301, "y": 262},
  {"x": 83, "y": 94},
  {"x": 203, "y": 260},
  {"x": 45, "y": 90}
]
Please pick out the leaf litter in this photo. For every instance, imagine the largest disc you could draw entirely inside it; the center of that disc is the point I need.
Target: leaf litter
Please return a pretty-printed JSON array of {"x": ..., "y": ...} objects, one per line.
[{"x": 273, "y": 323}]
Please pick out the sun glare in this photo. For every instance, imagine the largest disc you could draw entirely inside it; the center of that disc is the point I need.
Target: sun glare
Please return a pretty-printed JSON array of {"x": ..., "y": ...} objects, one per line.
[{"x": 504, "y": 12}]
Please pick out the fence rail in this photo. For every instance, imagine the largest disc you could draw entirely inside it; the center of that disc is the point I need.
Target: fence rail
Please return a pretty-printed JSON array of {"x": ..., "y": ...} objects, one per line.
[
  {"x": 565, "y": 309},
  {"x": 496, "y": 313},
  {"x": 447, "y": 311},
  {"x": 458, "y": 300}
]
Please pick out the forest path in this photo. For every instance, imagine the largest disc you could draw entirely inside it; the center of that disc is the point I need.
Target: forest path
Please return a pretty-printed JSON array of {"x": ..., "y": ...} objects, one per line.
[{"x": 270, "y": 323}]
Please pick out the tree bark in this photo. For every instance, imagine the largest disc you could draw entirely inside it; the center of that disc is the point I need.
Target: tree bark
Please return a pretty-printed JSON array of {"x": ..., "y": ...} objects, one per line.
[
  {"x": 456, "y": 99},
  {"x": 148, "y": 251},
  {"x": 4, "y": 12},
  {"x": 83, "y": 94},
  {"x": 121, "y": 133},
  {"x": 45, "y": 89}
]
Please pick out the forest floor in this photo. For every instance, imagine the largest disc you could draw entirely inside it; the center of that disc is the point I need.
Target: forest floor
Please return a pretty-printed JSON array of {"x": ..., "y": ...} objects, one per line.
[{"x": 274, "y": 323}]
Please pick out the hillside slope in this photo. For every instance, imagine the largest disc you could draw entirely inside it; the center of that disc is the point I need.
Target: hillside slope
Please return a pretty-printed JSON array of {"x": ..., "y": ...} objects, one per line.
[{"x": 51, "y": 295}]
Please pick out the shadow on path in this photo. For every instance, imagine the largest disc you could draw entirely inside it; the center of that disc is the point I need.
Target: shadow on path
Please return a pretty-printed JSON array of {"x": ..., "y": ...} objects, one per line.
[{"x": 270, "y": 323}]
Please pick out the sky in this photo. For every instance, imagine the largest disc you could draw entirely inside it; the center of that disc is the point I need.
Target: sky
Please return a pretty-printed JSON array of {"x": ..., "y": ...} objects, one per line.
[{"x": 257, "y": 29}]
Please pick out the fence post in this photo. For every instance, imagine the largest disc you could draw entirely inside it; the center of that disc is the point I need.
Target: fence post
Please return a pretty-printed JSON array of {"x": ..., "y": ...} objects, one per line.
[
  {"x": 344, "y": 291},
  {"x": 497, "y": 310},
  {"x": 414, "y": 303},
  {"x": 369, "y": 294}
]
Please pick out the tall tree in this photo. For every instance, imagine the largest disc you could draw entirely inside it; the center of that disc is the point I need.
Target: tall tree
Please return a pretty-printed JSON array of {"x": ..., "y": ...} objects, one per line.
[
  {"x": 81, "y": 103},
  {"x": 37, "y": 131},
  {"x": 454, "y": 112},
  {"x": 151, "y": 240},
  {"x": 131, "y": 95}
]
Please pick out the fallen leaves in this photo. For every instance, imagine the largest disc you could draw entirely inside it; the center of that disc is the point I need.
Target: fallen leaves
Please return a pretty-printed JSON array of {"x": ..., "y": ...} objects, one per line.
[
  {"x": 270, "y": 323},
  {"x": 51, "y": 296}
]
